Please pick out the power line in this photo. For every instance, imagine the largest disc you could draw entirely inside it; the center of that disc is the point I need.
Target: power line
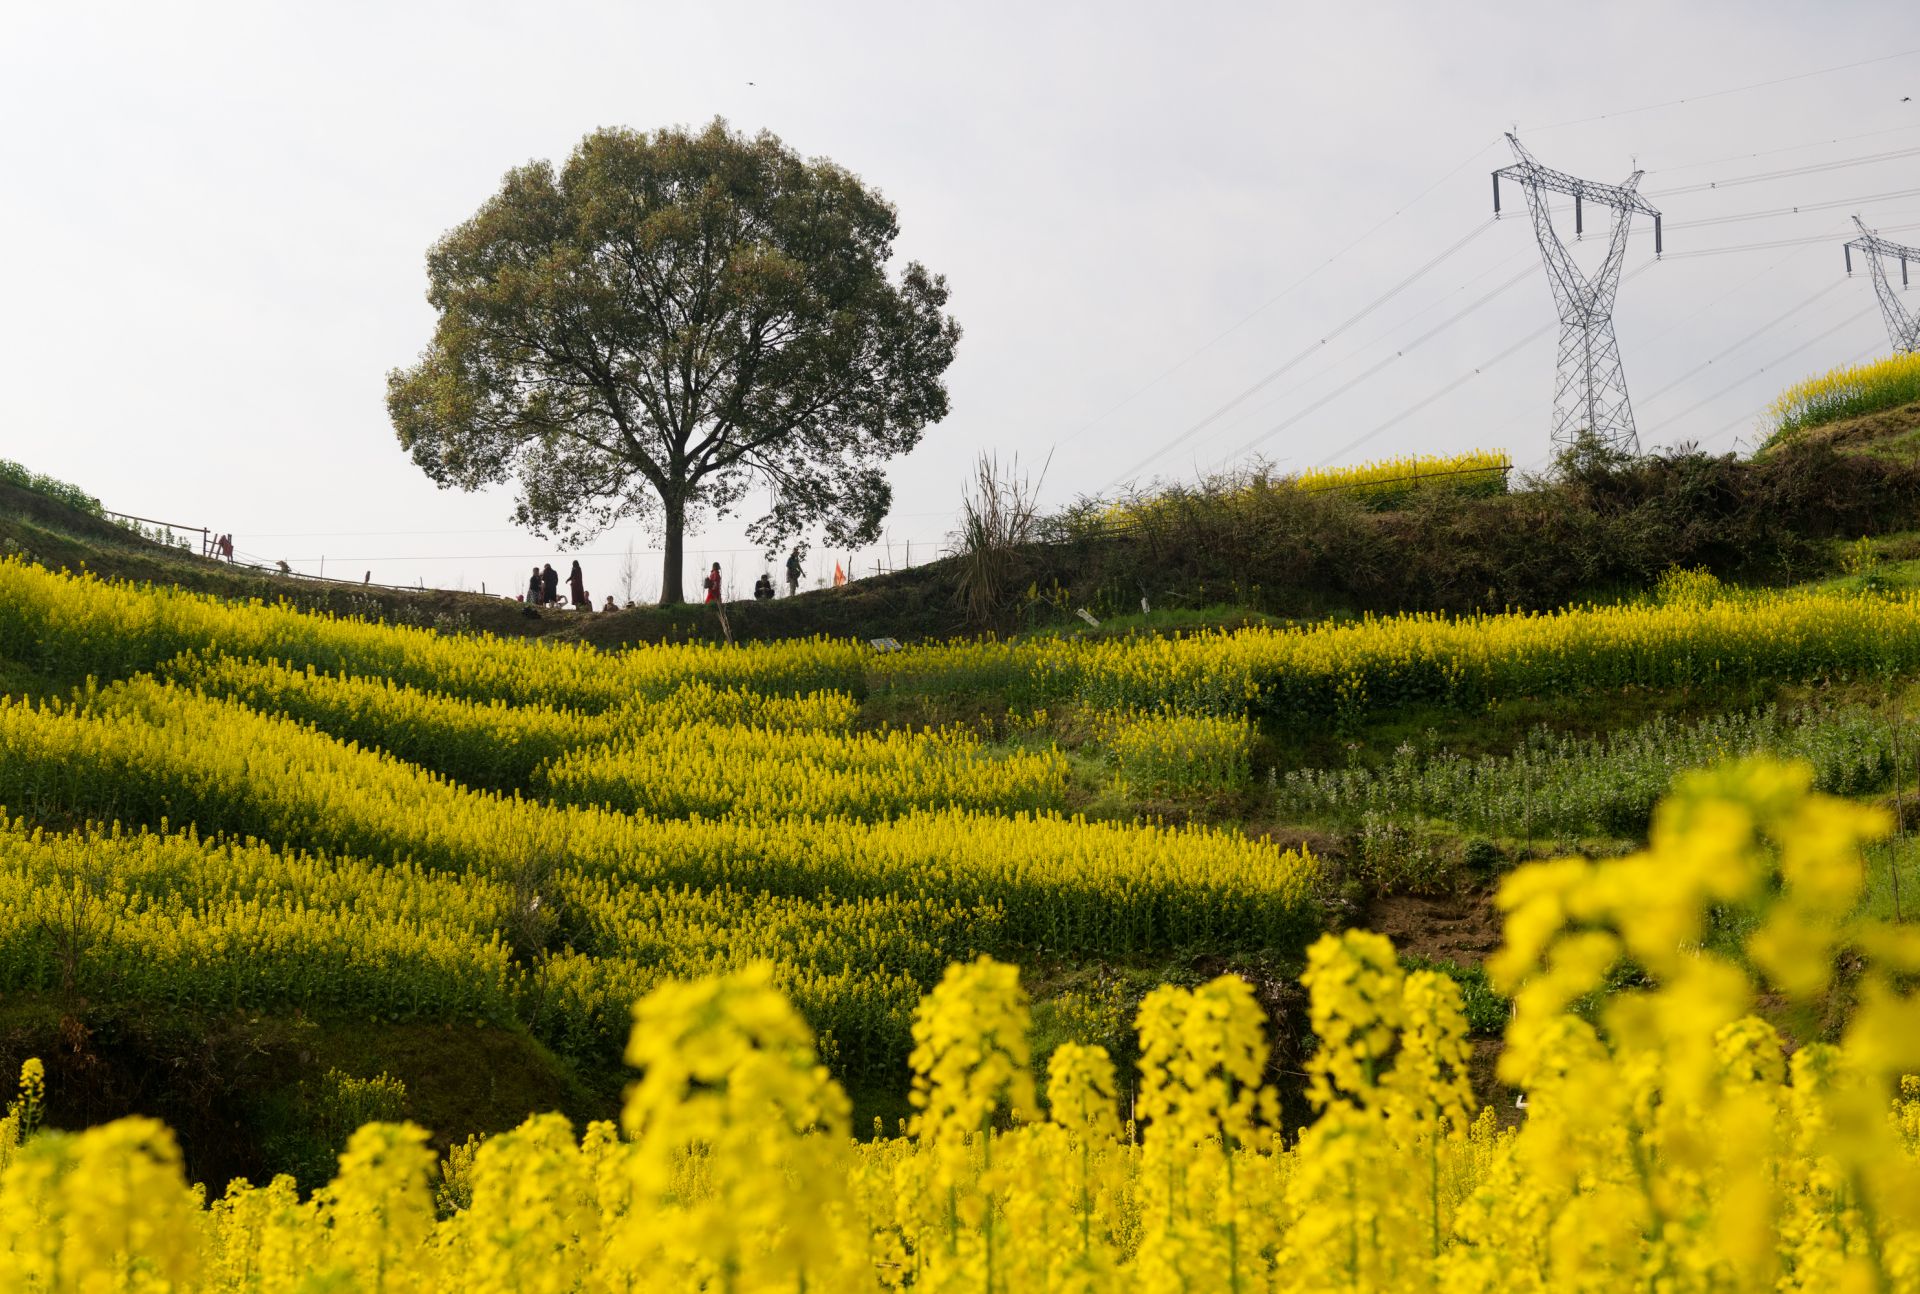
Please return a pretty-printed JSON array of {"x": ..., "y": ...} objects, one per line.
[
  {"x": 1458, "y": 382},
  {"x": 1812, "y": 168},
  {"x": 1862, "y": 200},
  {"x": 692, "y": 549},
  {"x": 1778, "y": 242},
  {"x": 1355, "y": 381},
  {"x": 1675, "y": 324},
  {"x": 1772, "y": 152},
  {"x": 1746, "y": 419},
  {"x": 1363, "y": 347},
  {"x": 1247, "y": 318},
  {"x": 1276, "y": 374},
  {"x": 1775, "y": 322},
  {"x": 1739, "y": 382},
  {"x": 1718, "y": 94},
  {"x": 1446, "y": 390},
  {"x": 486, "y": 530}
]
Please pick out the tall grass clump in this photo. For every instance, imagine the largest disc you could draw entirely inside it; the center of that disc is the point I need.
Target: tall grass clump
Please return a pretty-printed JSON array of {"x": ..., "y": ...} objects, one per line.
[
  {"x": 1846, "y": 392},
  {"x": 1000, "y": 515}
]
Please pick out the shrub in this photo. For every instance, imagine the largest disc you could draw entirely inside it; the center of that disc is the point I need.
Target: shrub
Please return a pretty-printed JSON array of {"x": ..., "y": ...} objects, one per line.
[{"x": 12, "y": 473}]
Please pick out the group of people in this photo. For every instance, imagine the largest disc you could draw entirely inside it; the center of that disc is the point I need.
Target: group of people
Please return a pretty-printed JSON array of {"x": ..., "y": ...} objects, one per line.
[
  {"x": 543, "y": 585},
  {"x": 762, "y": 588},
  {"x": 543, "y": 590}
]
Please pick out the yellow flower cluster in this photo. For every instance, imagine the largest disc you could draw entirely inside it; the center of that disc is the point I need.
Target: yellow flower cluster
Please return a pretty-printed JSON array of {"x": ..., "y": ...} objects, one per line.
[
  {"x": 858, "y": 865},
  {"x": 1670, "y": 1146},
  {"x": 73, "y": 626},
  {"x": 710, "y": 771},
  {"x": 1168, "y": 751},
  {"x": 147, "y": 753},
  {"x": 695, "y": 751},
  {"x": 1335, "y": 668},
  {"x": 76, "y": 625},
  {"x": 1477, "y": 471},
  {"x": 1383, "y": 483},
  {"x": 174, "y": 921},
  {"x": 22, "y": 1116},
  {"x": 490, "y": 744},
  {"x": 1847, "y": 392}
]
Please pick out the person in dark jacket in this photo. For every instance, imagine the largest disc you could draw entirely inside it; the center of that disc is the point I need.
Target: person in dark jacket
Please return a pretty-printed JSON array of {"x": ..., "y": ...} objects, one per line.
[
  {"x": 793, "y": 572},
  {"x": 549, "y": 585},
  {"x": 533, "y": 588},
  {"x": 577, "y": 586},
  {"x": 763, "y": 587}
]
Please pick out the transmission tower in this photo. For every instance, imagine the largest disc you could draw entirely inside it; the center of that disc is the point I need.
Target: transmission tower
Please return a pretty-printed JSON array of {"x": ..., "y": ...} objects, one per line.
[
  {"x": 1902, "y": 328},
  {"x": 1590, "y": 391}
]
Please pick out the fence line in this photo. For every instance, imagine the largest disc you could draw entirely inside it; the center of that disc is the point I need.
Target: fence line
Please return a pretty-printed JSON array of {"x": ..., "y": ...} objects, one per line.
[
  {"x": 291, "y": 574},
  {"x": 206, "y": 550},
  {"x": 206, "y": 535}
]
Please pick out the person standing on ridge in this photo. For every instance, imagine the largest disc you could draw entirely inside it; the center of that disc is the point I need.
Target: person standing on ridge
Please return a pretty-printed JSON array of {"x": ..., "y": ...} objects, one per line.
[
  {"x": 712, "y": 585},
  {"x": 549, "y": 585},
  {"x": 577, "y": 586},
  {"x": 533, "y": 588},
  {"x": 793, "y": 572}
]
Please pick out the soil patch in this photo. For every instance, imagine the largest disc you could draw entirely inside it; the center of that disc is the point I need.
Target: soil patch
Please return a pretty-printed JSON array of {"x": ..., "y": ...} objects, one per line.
[{"x": 1461, "y": 927}]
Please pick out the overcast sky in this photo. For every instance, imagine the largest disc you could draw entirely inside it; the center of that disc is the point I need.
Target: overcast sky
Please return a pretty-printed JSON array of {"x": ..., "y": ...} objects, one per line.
[{"x": 214, "y": 220}]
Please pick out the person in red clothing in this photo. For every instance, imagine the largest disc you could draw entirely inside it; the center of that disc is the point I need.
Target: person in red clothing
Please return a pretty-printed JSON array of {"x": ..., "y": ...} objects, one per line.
[{"x": 712, "y": 584}]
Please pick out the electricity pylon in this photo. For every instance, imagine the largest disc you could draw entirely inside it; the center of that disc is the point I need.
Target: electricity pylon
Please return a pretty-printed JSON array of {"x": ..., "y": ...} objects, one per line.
[
  {"x": 1590, "y": 391},
  {"x": 1903, "y": 329}
]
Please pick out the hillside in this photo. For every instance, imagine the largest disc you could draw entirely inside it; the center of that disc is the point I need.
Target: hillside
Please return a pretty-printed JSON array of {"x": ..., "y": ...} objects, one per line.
[
  {"x": 1544, "y": 543},
  {"x": 537, "y": 823}
]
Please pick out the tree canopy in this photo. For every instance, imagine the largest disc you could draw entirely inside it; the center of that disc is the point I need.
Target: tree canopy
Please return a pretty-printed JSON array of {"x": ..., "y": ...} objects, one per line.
[{"x": 668, "y": 324}]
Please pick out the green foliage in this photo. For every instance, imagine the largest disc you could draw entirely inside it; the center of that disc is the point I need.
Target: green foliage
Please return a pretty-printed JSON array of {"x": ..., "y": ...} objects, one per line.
[
  {"x": 1562, "y": 786},
  {"x": 1606, "y": 527},
  {"x": 12, "y": 473},
  {"x": 327, "y": 1111},
  {"x": 666, "y": 320},
  {"x": 1487, "y": 1009},
  {"x": 1391, "y": 857}
]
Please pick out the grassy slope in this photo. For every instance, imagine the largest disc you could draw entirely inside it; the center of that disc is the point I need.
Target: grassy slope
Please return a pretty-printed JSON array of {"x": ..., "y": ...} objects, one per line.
[
  {"x": 914, "y": 603},
  {"x": 1892, "y": 434}
]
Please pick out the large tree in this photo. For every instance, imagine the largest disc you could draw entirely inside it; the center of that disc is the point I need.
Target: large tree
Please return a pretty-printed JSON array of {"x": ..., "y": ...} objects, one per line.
[{"x": 668, "y": 322}]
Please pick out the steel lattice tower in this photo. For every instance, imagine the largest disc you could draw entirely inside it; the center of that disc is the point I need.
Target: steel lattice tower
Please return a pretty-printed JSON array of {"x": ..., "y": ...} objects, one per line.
[
  {"x": 1590, "y": 392},
  {"x": 1903, "y": 329}
]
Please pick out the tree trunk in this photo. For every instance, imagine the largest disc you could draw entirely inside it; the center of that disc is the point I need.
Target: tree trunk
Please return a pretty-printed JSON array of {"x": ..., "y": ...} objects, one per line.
[{"x": 673, "y": 589}]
